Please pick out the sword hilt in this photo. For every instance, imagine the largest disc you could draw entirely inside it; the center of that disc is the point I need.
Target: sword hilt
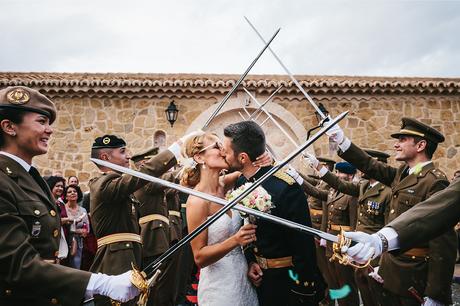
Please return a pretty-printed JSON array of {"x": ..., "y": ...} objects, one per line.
[{"x": 342, "y": 258}]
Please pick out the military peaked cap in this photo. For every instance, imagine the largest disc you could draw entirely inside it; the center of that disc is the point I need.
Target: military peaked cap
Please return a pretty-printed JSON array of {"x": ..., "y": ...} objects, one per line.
[
  {"x": 27, "y": 99},
  {"x": 108, "y": 142},
  {"x": 146, "y": 154},
  {"x": 379, "y": 155},
  {"x": 345, "y": 167},
  {"x": 412, "y": 127}
]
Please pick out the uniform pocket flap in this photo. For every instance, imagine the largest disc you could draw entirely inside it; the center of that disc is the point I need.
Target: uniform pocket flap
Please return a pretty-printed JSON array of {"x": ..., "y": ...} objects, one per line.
[
  {"x": 32, "y": 208},
  {"x": 117, "y": 246}
]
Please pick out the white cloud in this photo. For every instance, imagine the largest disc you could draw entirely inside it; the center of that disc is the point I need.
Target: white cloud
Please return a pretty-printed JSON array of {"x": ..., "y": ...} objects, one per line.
[{"x": 348, "y": 37}]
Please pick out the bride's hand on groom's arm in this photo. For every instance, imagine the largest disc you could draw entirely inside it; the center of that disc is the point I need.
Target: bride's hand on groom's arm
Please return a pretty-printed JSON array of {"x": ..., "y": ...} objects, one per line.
[
  {"x": 245, "y": 235},
  {"x": 255, "y": 274},
  {"x": 263, "y": 160}
]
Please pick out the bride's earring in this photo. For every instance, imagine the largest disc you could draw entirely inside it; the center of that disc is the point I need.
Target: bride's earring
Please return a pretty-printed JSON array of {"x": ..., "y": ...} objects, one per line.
[{"x": 203, "y": 165}]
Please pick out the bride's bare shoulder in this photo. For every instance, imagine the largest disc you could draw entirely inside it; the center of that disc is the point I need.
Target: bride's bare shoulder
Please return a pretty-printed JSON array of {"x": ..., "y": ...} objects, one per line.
[{"x": 197, "y": 204}]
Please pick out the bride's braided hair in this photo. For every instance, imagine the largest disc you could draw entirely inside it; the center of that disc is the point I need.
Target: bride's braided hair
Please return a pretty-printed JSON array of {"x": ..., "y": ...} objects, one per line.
[{"x": 191, "y": 175}]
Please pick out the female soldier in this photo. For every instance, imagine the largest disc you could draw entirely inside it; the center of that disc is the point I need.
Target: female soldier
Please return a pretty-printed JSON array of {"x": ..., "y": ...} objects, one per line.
[{"x": 29, "y": 223}]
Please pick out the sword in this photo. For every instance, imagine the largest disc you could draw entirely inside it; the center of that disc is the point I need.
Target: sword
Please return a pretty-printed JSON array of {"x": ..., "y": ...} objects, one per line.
[
  {"x": 225, "y": 99},
  {"x": 155, "y": 264},
  {"x": 217, "y": 200},
  {"x": 318, "y": 110}
]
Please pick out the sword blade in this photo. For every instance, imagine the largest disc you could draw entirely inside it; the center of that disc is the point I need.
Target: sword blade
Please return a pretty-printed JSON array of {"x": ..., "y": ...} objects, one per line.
[
  {"x": 214, "y": 199},
  {"x": 288, "y": 72},
  {"x": 225, "y": 99},
  {"x": 155, "y": 264}
]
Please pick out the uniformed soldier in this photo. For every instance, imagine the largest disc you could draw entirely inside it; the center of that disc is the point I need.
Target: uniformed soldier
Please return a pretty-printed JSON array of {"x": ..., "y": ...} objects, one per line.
[
  {"x": 373, "y": 208},
  {"x": 427, "y": 220},
  {"x": 315, "y": 205},
  {"x": 429, "y": 266},
  {"x": 278, "y": 249},
  {"x": 340, "y": 213},
  {"x": 115, "y": 210},
  {"x": 29, "y": 223}
]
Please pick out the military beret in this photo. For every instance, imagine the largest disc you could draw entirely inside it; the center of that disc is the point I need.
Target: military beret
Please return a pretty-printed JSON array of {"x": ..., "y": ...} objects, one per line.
[
  {"x": 412, "y": 127},
  {"x": 146, "y": 154},
  {"x": 379, "y": 155},
  {"x": 345, "y": 167},
  {"x": 27, "y": 99},
  {"x": 108, "y": 142}
]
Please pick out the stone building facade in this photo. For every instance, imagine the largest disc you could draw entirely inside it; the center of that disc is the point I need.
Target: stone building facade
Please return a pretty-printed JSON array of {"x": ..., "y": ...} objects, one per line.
[{"x": 132, "y": 106}]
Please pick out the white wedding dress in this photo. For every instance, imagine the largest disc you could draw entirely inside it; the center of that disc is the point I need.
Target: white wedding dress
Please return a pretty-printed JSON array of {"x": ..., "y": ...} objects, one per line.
[{"x": 225, "y": 282}]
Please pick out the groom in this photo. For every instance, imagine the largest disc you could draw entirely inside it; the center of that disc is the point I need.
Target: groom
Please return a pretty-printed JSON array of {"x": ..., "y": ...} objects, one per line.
[{"x": 282, "y": 264}]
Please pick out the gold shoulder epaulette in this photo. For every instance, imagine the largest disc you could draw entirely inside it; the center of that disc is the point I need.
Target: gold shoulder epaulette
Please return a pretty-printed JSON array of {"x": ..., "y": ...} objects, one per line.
[
  {"x": 282, "y": 175},
  {"x": 439, "y": 174}
]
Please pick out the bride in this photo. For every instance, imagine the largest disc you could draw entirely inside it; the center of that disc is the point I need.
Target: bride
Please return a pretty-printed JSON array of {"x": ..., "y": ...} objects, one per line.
[{"x": 217, "y": 250}]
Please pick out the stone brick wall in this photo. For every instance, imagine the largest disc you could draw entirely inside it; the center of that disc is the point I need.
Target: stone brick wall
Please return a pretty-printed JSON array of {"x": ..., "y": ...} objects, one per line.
[{"x": 132, "y": 106}]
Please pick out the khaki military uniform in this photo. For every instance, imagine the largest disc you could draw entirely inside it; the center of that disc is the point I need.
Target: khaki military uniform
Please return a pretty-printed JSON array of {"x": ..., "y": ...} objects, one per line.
[
  {"x": 373, "y": 209},
  {"x": 114, "y": 210},
  {"x": 313, "y": 187},
  {"x": 430, "y": 218},
  {"x": 30, "y": 229},
  {"x": 429, "y": 266},
  {"x": 340, "y": 212}
]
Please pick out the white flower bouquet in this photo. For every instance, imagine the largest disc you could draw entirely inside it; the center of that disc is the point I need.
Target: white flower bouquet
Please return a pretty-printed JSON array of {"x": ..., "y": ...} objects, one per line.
[{"x": 259, "y": 199}]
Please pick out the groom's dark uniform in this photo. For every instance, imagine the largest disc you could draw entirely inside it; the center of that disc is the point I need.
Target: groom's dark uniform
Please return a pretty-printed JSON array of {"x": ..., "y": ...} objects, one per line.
[{"x": 286, "y": 256}]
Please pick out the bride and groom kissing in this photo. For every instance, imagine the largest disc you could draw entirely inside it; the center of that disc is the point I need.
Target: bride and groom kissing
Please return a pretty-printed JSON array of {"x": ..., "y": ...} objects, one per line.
[{"x": 253, "y": 264}]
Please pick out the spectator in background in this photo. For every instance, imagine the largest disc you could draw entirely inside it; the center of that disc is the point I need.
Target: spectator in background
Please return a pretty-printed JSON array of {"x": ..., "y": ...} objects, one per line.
[
  {"x": 79, "y": 224},
  {"x": 57, "y": 185},
  {"x": 73, "y": 180}
]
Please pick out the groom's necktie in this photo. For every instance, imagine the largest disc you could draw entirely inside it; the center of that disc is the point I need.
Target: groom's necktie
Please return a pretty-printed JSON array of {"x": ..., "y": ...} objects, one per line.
[{"x": 37, "y": 178}]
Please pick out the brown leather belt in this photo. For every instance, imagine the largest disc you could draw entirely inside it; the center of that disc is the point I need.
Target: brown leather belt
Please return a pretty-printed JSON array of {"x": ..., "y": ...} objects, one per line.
[
  {"x": 417, "y": 252},
  {"x": 316, "y": 212},
  {"x": 174, "y": 213},
  {"x": 119, "y": 237},
  {"x": 153, "y": 217},
  {"x": 273, "y": 263},
  {"x": 335, "y": 227}
]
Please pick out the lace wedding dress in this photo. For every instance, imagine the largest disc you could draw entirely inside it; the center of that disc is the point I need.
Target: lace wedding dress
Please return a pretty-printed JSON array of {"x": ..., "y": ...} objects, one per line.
[{"x": 225, "y": 282}]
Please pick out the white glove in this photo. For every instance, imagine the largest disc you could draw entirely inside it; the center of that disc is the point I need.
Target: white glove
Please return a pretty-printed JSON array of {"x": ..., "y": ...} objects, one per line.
[
  {"x": 430, "y": 302},
  {"x": 294, "y": 174},
  {"x": 322, "y": 242},
  {"x": 335, "y": 133},
  {"x": 375, "y": 275},
  {"x": 311, "y": 160},
  {"x": 368, "y": 246},
  {"x": 116, "y": 287}
]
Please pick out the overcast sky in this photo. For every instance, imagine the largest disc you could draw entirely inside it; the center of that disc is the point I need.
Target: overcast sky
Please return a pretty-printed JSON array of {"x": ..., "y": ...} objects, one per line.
[{"x": 324, "y": 37}]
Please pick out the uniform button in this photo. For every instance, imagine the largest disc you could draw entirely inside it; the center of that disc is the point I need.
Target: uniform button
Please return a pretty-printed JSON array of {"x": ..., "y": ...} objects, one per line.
[
  {"x": 37, "y": 212},
  {"x": 8, "y": 291},
  {"x": 360, "y": 214},
  {"x": 407, "y": 202},
  {"x": 127, "y": 245},
  {"x": 394, "y": 196},
  {"x": 55, "y": 233},
  {"x": 52, "y": 213},
  {"x": 359, "y": 222},
  {"x": 392, "y": 211},
  {"x": 413, "y": 257},
  {"x": 161, "y": 225},
  {"x": 54, "y": 301}
]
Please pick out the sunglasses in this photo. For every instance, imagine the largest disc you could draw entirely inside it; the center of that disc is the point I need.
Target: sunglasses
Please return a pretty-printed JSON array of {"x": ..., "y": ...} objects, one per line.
[{"x": 217, "y": 145}]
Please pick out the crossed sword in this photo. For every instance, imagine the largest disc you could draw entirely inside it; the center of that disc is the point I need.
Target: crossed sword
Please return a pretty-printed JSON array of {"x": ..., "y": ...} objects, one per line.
[{"x": 146, "y": 278}]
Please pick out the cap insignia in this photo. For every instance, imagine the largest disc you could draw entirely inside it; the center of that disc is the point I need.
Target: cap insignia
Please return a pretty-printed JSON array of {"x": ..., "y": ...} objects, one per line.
[
  {"x": 106, "y": 140},
  {"x": 18, "y": 96}
]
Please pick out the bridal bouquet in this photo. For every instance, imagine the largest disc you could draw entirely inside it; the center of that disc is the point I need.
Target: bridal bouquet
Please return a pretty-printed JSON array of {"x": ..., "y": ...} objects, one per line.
[{"x": 258, "y": 199}]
